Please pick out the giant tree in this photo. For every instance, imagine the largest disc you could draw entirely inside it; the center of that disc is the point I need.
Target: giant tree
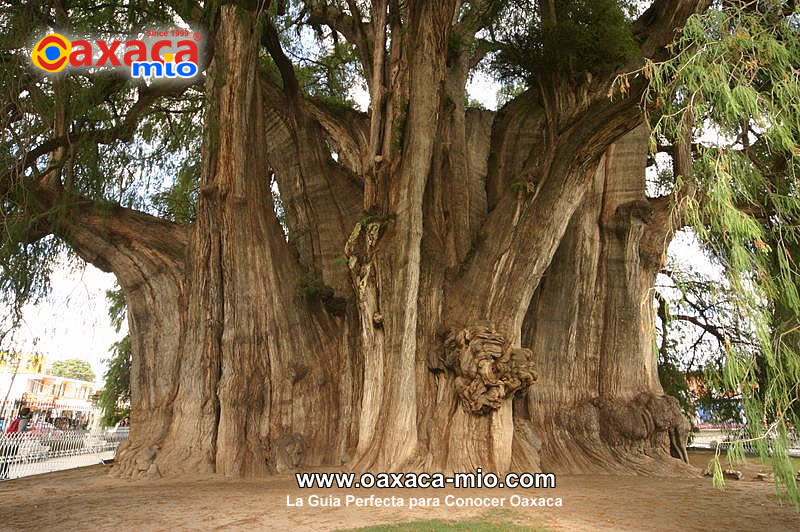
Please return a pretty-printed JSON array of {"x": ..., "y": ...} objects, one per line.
[{"x": 415, "y": 285}]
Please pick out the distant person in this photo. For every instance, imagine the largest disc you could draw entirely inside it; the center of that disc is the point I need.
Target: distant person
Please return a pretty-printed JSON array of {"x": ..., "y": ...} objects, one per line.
[
  {"x": 10, "y": 444},
  {"x": 21, "y": 423}
]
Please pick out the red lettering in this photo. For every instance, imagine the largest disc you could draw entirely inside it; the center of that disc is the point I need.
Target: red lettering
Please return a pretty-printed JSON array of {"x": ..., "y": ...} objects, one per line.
[
  {"x": 83, "y": 50},
  {"x": 155, "y": 52},
  {"x": 189, "y": 54},
  {"x": 139, "y": 52},
  {"x": 108, "y": 53}
]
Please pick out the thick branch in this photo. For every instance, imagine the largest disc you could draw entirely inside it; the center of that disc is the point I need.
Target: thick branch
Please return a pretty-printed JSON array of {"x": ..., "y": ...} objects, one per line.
[
  {"x": 116, "y": 238},
  {"x": 352, "y": 27},
  {"x": 321, "y": 197},
  {"x": 130, "y": 243},
  {"x": 478, "y": 16},
  {"x": 347, "y": 128},
  {"x": 656, "y": 27},
  {"x": 694, "y": 320},
  {"x": 377, "y": 82},
  {"x": 271, "y": 40},
  {"x": 581, "y": 125}
]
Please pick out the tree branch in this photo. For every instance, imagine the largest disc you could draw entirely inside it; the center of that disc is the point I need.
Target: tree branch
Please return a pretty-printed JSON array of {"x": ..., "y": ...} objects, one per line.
[
  {"x": 657, "y": 26},
  {"x": 667, "y": 216},
  {"x": 477, "y": 17},
  {"x": 271, "y": 40},
  {"x": 127, "y": 242},
  {"x": 348, "y": 129},
  {"x": 122, "y": 132},
  {"x": 111, "y": 236},
  {"x": 321, "y": 198},
  {"x": 714, "y": 331},
  {"x": 352, "y": 27}
]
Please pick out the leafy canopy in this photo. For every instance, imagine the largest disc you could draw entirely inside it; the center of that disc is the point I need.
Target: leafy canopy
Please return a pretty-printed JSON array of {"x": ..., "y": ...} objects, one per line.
[
  {"x": 736, "y": 74},
  {"x": 580, "y": 36},
  {"x": 73, "y": 368},
  {"x": 149, "y": 159},
  {"x": 118, "y": 154}
]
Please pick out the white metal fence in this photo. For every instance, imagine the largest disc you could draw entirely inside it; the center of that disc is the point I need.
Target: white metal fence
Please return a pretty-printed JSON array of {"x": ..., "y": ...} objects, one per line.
[
  {"x": 710, "y": 438},
  {"x": 37, "y": 451}
]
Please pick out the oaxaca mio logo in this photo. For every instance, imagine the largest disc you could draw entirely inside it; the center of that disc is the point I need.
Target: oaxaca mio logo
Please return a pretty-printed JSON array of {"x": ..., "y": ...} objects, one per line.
[{"x": 157, "y": 54}]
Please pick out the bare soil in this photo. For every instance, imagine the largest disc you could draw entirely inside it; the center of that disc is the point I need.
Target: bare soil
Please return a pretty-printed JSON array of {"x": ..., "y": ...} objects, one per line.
[{"x": 89, "y": 499}]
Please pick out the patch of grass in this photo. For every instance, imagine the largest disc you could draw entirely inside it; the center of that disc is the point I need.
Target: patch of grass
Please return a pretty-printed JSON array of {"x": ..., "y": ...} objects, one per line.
[{"x": 491, "y": 522}]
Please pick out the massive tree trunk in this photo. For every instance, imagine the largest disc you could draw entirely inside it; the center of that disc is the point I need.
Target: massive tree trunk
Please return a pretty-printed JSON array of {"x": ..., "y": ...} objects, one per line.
[
  {"x": 597, "y": 404},
  {"x": 455, "y": 289},
  {"x": 235, "y": 370}
]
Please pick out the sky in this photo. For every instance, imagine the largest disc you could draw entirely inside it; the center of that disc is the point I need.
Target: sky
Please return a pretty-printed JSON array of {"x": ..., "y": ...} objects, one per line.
[{"x": 73, "y": 321}]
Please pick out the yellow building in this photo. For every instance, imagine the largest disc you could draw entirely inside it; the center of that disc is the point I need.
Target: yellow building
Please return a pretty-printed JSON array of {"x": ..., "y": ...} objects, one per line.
[
  {"x": 21, "y": 362},
  {"x": 24, "y": 381}
]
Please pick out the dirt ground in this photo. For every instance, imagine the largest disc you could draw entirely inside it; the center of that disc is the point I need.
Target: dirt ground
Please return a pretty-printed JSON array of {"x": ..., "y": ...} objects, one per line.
[{"x": 88, "y": 499}]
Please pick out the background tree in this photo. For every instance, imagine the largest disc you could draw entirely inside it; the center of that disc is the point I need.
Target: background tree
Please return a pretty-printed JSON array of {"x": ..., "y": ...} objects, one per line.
[
  {"x": 73, "y": 368},
  {"x": 388, "y": 312},
  {"x": 698, "y": 320},
  {"x": 741, "y": 194},
  {"x": 114, "y": 400}
]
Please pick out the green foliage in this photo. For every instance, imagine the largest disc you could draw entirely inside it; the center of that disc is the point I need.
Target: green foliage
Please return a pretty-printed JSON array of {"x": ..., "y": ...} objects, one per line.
[
  {"x": 472, "y": 103},
  {"x": 718, "y": 399},
  {"x": 114, "y": 400},
  {"x": 313, "y": 287},
  {"x": 24, "y": 272},
  {"x": 374, "y": 215},
  {"x": 508, "y": 91},
  {"x": 73, "y": 368},
  {"x": 673, "y": 381},
  {"x": 327, "y": 67},
  {"x": 583, "y": 35},
  {"x": 699, "y": 319},
  {"x": 737, "y": 72},
  {"x": 150, "y": 165},
  {"x": 179, "y": 202},
  {"x": 331, "y": 76},
  {"x": 117, "y": 307}
]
